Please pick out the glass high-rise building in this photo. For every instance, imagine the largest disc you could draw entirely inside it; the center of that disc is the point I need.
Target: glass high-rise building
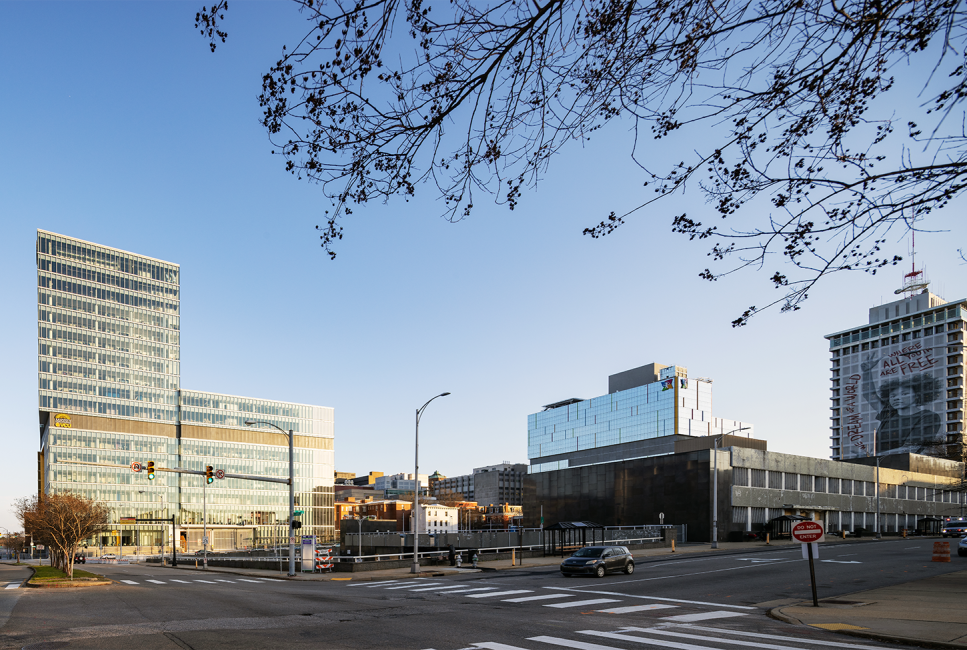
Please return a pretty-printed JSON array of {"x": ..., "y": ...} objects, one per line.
[
  {"x": 110, "y": 394},
  {"x": 645, "y": 411}
]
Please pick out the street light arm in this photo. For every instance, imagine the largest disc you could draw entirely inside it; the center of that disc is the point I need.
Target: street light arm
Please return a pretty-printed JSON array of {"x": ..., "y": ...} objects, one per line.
[
  {"x": 291, "y": 436},
  {"x": 419, "y": 411}
]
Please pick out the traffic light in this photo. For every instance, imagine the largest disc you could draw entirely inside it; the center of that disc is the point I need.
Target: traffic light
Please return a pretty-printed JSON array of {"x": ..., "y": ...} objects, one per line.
[
  {"x": 296, "y": 524},
  {"x": 208, "y": 473},
  {"x": 150, "y": 470}
]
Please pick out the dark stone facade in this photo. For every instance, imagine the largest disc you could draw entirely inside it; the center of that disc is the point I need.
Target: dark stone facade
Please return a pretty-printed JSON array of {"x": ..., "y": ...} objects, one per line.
[{"x": 632, "y": 492}]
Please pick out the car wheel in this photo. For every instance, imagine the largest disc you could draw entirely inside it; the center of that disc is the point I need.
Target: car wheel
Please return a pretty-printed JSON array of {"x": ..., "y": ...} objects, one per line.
[
  {"x": 630, "y": 568},
  {"x": 961, "y": 553},
  {"x": 599, "y": 572},
  {"x": 566, "y": 575}
]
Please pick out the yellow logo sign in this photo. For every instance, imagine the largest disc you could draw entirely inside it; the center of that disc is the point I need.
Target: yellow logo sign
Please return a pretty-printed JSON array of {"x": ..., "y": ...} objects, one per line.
[{"x": 62, "y": 420}]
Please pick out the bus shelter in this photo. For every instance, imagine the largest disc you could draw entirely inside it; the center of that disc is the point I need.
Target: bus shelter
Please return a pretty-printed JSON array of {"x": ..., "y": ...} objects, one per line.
[{"x": 568, "y": 536}]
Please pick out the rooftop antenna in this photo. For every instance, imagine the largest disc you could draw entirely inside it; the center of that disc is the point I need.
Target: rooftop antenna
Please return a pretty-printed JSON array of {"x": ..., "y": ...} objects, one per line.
[{"x": 915, "y": 281}]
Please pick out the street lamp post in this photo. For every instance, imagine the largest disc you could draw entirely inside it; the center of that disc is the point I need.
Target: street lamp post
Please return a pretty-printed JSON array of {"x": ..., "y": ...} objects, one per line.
[
  {"x": 416, "y": 489},
  {"x": 715, "y": 484},
  {"x": 876, "y": 453},
  {"x": 250, "y": 423}
]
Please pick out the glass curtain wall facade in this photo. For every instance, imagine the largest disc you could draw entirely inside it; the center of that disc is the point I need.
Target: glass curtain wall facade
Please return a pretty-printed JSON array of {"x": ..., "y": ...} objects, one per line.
[
  {"x": 673, "y": 405},
  {"x": 109, "y": 394}
]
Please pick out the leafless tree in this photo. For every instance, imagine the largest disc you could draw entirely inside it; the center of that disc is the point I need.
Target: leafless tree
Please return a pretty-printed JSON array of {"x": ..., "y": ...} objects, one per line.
[
  {"x": 62, "y": 521},
  {"x": 789, "y": 100}
]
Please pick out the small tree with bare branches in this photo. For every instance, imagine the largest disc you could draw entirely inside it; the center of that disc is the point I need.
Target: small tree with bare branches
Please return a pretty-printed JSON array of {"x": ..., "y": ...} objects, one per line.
[{"x": 62, "y": 521}]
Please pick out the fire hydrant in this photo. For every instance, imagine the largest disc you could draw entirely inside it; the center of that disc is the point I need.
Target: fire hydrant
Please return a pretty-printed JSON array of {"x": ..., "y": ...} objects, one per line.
[
  {"x": 459, "y": 559},
  {"x": 474, "y": 560}
]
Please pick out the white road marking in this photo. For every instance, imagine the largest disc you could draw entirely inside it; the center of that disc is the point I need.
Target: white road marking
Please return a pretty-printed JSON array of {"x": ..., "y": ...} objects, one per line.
[
  {"x": 667, "y": 600},
  {"x": 701, "y": 616},
  {"x": 157, "y": 582},
  {"x": 759, "y": 635},
  {"x": 577, "y": 645},
  {"x": 496, "y": 646},
  {"x": 502, "y": 593},
  {"x": 12, "y": 585},
  {"x": 751, "y": 565},
  {"x": 228, "y": 581},
  {"x": 659, "y": 642},
  {"x": 636, "y": 608},
  {"x": 255, "y": 581},
  {"x": 842, "y": 561},
  {"x": 530, "y": 598},
  {"x": 130, "y": 582},
  {"x": 583, "y": 603},
  {"x": 758, "y": 559},
  {"x": 184, "y": 582},
  {"x": 439, "y": 588},
  {"x": 695, "y": 637},
  {"x": 411, "y": 585},
  {"x": 466, "y": 591},
  {"x": 205, "y": 581}
]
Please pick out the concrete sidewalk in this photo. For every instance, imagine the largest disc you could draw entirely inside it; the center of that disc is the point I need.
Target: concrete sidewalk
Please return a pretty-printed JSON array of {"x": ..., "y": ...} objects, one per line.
[{"x": 931, "y": 612}]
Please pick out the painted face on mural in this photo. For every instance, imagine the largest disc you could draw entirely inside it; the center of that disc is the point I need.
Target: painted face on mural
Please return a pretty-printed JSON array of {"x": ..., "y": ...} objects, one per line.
[{"x": 902, "y": 397}]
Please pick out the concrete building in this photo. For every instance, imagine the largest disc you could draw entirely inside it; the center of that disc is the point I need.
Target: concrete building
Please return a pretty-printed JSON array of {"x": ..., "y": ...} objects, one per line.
[
  {"x": 900, "y": 375},
  {"x": 437, "y": 518},
  {"x": 491, "y": 485},
  {"x": 397, "y": 484},
  {"x": 110, "y": 394}
]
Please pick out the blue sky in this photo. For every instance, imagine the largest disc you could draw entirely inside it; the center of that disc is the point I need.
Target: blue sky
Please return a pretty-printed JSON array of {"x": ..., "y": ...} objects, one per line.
[{"x": 120, "y": 127}]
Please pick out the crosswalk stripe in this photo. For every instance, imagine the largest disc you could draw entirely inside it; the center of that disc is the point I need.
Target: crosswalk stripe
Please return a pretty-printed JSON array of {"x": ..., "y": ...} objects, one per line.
[
  {"x": 228, "y": 581},
  {"x": 577, "y": 645},
  {"x": 205, "y": 581},
  {"x": 502, "y": 593},
  {"x": 636, "y": 608},
  {"x": 760, "y": 635},
  {"x": 529, "y": 598},
  {"x": 467, "y": 591},
  {"x": 496, "y": 646},
  {"x": 255, "y": 581},
  {"x": 130, "y": 582},
  {"x": 701, "y": 616},
  {"x": 439, "y": 588},
  {"x": 659, "y": 642},
  {"x": 411, "y": 585},
  {"x": 12, "y": 585},
  {"x": 184, "y": 582},
  {"x": 667, "y": 600},
  {"x": 695, "y": 637},
  {"x": 583, "y": 603},
  {"x": 157, "y": 582}
]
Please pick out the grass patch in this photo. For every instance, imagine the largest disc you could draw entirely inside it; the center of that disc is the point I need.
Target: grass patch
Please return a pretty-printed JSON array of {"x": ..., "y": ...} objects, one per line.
[{"x": 46, "y": 573}]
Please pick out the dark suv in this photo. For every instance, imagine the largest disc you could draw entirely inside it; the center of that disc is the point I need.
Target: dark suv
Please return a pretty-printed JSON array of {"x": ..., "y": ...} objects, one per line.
[{"x": 598, "y": 560}]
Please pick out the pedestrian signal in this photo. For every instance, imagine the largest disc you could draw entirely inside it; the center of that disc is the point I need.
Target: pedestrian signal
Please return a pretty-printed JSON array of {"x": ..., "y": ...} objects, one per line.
[
  {"x": 209, "y": 476},
  {"x": 150, "y": 470}
]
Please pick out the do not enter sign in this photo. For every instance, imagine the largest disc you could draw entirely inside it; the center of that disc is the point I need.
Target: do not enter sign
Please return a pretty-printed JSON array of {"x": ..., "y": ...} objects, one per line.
[{"x": 807, "y": 532}]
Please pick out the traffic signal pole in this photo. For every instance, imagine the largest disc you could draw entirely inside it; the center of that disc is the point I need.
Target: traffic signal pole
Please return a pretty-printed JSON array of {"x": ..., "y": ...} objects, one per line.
[{"x": 204, "y": 523}]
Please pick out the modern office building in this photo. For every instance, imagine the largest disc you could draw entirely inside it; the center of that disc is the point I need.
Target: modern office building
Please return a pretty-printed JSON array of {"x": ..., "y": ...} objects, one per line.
[
  {"x": 644, "y": 412},
  {"x": 110, "y": 395},
  {"x": 397, "y": 484},
  {"x": 491, "y": 485},
  {"x": 900, "y": 377}
]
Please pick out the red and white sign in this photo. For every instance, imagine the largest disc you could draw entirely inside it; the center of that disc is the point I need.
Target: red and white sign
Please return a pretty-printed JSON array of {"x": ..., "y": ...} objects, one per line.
[
  {"x": 135, "y": 467},
  {"x": 219, "y": 473},
  {"x": 808, "y": 531}
]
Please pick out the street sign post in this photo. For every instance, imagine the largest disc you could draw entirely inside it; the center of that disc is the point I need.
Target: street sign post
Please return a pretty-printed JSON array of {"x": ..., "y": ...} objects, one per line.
[{"x": 809, "y": 533}]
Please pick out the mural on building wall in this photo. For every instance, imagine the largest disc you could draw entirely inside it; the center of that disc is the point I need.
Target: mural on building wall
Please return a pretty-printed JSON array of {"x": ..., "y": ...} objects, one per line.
[{"x": 894, "y": 394}]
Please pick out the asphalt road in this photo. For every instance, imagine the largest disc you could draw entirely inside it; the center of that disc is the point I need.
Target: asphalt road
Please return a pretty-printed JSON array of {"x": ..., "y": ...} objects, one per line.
[{"x": 691, "y": 602}]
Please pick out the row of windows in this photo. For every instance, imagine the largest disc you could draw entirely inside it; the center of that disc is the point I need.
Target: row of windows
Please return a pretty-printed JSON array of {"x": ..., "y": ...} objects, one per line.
[
  {"x": 254, "y": 406},
  {"x": 106, "y": 406},
  {"x": 105, "y": 326},
  {"x": 107, "y": 342},
  {"x": 649, "y": 416},
  {"x": 89, "y": 290},
  {"x": 835, "y": 520},
  {"x": 634, "y": 397},
  {"x": 102, "y": 389},
  {"x": 104, "y": 310},
  {"x": 760, "y": 478},
  {"x": 106, "y": 258},
  {"x": 90, "y": 371},
  {"x": 899, "y": 326},
  {"x": 118, "y": 360},
  {"x": 89, "y": 274}
]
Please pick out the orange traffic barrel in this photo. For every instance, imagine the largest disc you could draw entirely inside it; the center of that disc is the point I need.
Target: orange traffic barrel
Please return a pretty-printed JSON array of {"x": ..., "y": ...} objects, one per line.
[{"x": 941, "y": 552}]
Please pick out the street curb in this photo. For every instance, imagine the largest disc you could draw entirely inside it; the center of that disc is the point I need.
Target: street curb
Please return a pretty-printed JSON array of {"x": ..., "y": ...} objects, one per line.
[
  {"x": 332, "y": 576},
  {"x": 62, "y": 585}
]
